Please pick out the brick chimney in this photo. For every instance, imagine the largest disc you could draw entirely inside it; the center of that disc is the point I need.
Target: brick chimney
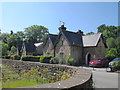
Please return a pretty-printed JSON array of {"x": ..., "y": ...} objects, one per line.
[
  {"x": 62, "y": 28},
  {"x": 80, "y": 32}
]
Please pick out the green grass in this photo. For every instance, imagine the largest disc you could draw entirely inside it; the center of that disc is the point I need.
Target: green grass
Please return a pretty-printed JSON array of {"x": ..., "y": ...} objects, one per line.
[
  {"x": 22, "y": 83},
  {"x": 12, "y": 79}
]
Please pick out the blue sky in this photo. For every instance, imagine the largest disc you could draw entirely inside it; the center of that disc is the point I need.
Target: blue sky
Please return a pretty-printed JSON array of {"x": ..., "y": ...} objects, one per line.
[{"x": 86, "y": 16}]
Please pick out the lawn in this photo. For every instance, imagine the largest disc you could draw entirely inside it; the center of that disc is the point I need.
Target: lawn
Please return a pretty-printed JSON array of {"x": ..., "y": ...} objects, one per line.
[{"x": 12, "y": 78}]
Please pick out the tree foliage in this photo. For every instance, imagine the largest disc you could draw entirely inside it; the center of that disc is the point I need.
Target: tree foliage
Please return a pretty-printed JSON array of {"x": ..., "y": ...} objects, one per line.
[
  {"x": 13, "y": 49},
  {"x": 90, "y": 33},
  {"x": 112, "y": 38},
  {"x": 33, "y": 33},
  {"x": 4, "y": 37},
  {"x": 15, "y": 38},
  {"x": 36, "y": 33},
  {"x": 4, "y": 49}
]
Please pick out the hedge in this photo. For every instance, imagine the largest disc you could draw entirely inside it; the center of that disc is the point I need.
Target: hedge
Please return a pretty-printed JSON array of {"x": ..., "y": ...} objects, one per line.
[
  {"x": 30, "y": 58},
  {"x": 70, "y": 61},
  {"x": 6, "y": 56},
  {"x": 45, "y": 58},
  {"x": 42, "y": 58}
]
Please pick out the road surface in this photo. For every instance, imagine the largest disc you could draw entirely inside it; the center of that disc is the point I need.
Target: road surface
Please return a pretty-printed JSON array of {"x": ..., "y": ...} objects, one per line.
[{"x": 103, "y": 79}]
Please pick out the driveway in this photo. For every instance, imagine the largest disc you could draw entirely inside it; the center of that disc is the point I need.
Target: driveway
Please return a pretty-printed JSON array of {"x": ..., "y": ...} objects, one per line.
[{"x": 103, "y": 79}]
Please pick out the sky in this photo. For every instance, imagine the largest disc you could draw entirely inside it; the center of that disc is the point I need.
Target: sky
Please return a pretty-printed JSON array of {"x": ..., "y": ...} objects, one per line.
[{"x": 86, "y": 16}]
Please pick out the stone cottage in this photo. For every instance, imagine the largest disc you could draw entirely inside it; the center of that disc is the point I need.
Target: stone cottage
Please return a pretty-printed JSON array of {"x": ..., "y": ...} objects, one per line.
[
  {"x": 80, "y": 47},
  {"x": 39, "y": 50},
  {"x": 28, "y": 48},
  {"x": 48, "y": 45}
]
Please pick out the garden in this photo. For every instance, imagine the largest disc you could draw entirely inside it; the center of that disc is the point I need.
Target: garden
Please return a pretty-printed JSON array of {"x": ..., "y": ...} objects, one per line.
[{"x": 13, "y": 77}]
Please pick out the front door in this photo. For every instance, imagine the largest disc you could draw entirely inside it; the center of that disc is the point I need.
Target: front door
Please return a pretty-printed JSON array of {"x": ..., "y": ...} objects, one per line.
[{"x": 88, "y": 59}]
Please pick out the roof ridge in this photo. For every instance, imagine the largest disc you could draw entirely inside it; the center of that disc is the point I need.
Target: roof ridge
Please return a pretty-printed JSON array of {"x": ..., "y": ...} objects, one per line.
[
  {"x": 72, "y": 32},
  {"x": 53, "y": 34},
  {"x": 91, "y": 34}
]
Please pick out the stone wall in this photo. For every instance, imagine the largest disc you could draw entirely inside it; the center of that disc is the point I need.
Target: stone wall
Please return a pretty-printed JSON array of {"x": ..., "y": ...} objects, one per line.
[
  {"x": 81, "y": 78},
  {"x": 76, "y": 53},
  {"x": 48, "y": 48},
  {"x": 64, "y": 48}
]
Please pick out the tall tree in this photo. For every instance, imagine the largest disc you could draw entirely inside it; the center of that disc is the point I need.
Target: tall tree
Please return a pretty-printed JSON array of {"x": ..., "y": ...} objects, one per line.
[
  {"x": 15, "y": 38},
  {"x": 101, "y": 28},
  {"x": 4, "y": 37},
  {"x": 90, "y": 33},
  {"x": 4, "y": 49},
  {"x": 111, "y": 42},
  {"x": 13, "y": 49},
  {"x": 36, "y": 33}
]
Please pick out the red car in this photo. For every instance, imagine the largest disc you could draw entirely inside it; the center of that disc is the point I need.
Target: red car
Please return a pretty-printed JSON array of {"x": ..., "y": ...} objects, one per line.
[{"x": 99, "y": 62}]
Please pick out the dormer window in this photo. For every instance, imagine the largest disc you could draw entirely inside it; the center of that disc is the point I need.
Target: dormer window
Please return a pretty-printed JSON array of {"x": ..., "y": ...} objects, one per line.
[{"x": 61, "y": 41}]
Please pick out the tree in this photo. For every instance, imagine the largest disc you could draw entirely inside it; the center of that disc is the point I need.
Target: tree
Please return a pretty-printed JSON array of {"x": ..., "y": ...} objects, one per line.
[
  {"x": 20, "y": 37},
  {"x": 36, "y": 33},
  {"x": 101, "y": 28},
  {"x": 108, "y": 31},
  {"x": 111, "y": 53},
  {"x": 13, "y": 49},
  {"x": 4, "y": 37},
  {"x": 111, "y": 43},
  {"x": 4, "y": 49},
  {"x": 90, "y": 33},
  {"x": 12, "y": 41},
  {"x": 118, "y": 42},
  {"x": 15, "y": 38}
]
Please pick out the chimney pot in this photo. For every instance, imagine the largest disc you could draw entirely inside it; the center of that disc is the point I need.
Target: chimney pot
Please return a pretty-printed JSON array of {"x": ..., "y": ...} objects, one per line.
[
  {"x": 62, "y": 25},
  {"x": 62, "y": 28},
  {"x": 80, "y": 32}
]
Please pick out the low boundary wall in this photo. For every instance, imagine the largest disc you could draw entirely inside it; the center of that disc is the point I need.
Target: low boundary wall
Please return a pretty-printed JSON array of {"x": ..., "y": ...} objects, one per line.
[{"x": 80, "y": 77}]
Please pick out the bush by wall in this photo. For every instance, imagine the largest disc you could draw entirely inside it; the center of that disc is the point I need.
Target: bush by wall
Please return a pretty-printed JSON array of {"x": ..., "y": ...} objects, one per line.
[
  {"x": 16, "y": 57},
  {"x": 6, "y": 56},
  {"x": 30, "y": 58},
  {"x": 12, "y": 57},
  {"x": 70, "y": 61},
  {"x": 54, "y": 60},
  {"x": 45, "y": 58}
]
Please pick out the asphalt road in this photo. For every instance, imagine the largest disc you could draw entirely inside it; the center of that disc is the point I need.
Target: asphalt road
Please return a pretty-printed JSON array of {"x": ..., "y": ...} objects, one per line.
[{"x": 103, "y": 79}]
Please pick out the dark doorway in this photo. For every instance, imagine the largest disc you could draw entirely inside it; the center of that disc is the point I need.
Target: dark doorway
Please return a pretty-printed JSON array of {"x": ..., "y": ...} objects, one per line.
[{"x": 88, "y": 59}]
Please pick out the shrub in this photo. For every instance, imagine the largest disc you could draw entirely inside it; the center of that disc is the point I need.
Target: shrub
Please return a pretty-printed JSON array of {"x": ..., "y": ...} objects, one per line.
[
  {"x": 45, "y": 58},
  {"x": 12, "y": 57},
  {"x": 16, "y": 57},
  {"x": 54, "y": 60},
  {"x": 6, "y": 56},
  {"x": 70, "y": 61},
  {"x": 30, "y": 58}
]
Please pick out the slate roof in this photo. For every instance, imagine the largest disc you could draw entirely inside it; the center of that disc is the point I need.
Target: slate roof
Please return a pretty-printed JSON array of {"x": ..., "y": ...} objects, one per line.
[
  {"x": 52, "y": 38},
  {"x": 91, "y": 40},
  {"x": 30, "y": 47},
  {"x": 73, "y": 38}
]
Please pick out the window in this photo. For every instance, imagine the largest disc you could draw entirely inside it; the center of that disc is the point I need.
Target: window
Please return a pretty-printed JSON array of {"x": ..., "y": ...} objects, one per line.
[
  {"x": 61, "y": 54},
  {"x": 61, "y": 41}
]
